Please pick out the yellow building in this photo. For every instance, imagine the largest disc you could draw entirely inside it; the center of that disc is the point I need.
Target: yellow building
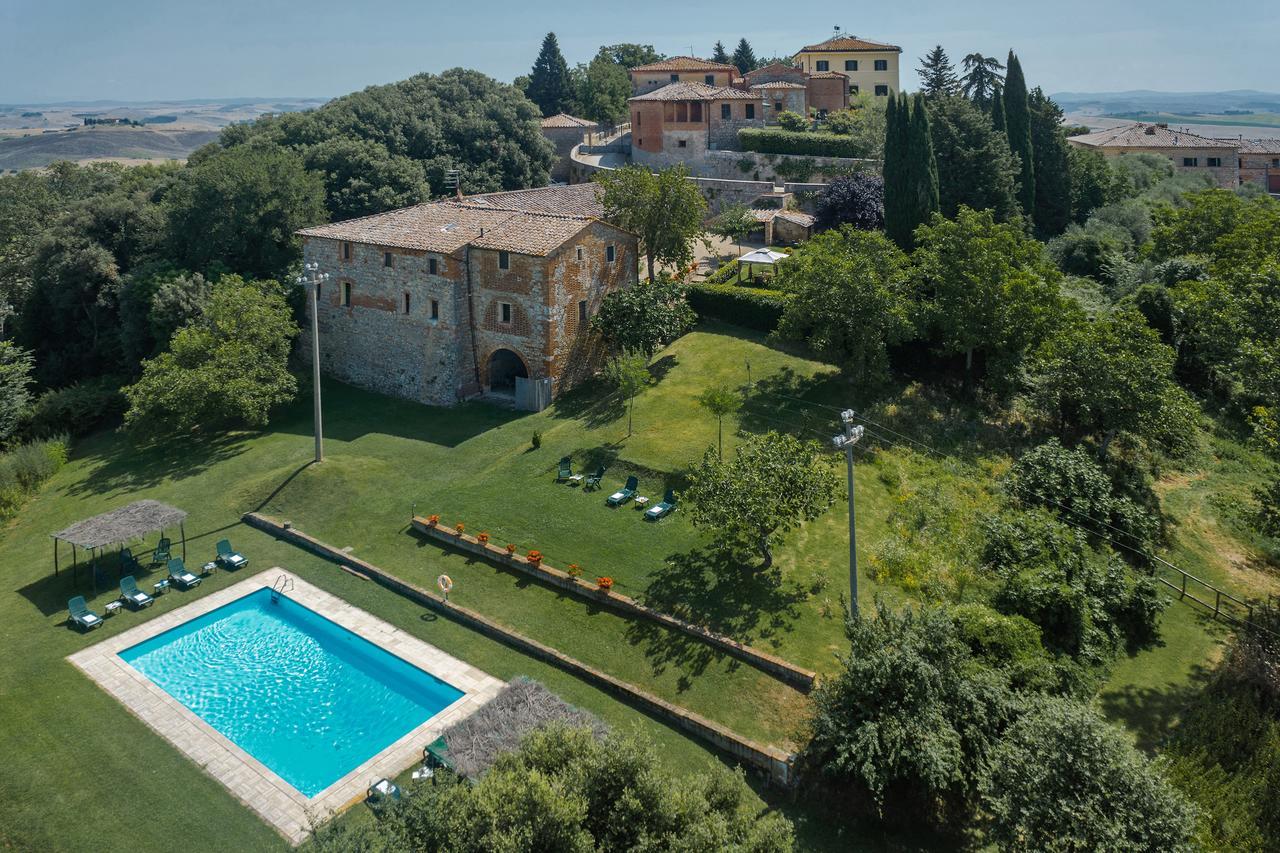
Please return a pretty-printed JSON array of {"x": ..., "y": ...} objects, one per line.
[{"x": 871, "y": 67}]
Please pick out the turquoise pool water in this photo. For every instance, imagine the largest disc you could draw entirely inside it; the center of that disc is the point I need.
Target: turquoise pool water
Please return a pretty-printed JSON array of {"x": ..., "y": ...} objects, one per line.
[{"x": 304, "y": 696}]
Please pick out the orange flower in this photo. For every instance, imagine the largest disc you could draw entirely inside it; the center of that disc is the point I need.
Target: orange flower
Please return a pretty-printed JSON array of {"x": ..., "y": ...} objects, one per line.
[
  {"x": 482, "y": 537},
  {"x": 605, "y": 583},
  {"x": 534, "y": 557},
  {"x": 433, "y": 519},
  {"x": 459, "y": 527},
  {"x": 511, "y": 549},
  {"x": 574, "y": 570}
]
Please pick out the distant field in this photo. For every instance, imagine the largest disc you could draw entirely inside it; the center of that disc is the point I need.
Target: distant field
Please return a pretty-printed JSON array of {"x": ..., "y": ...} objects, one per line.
[
  {"x": 1248, "y": 120},
  {"x": 111, "y": 143}
]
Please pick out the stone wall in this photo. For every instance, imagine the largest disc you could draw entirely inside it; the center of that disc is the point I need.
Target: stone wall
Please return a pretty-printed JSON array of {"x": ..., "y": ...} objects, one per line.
[{"x": 564, "y": 139}]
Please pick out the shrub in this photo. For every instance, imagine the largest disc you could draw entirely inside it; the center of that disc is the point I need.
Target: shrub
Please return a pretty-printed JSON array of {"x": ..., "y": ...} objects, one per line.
[
  {"x": 750, "y": 307},
  {"x": 796, "y": 168},
  {"x": 75, "y": 410},
  {"x": 1269, "y": 510},
  {"x": 841, "y": 122},
  {"x": 793, "y": 122},
  {"x": 24, "y": 468},
  {"x": 774, "y": 141}
]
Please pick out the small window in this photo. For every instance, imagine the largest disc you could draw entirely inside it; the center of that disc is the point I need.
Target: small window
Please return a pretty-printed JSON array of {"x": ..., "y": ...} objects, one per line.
[
  {"x": 682, "y": 143},
  {"x": 882, "y": 65},
  {"x": 346, "y": 251},
  {"x": 751, "y": 110},
  {"x": 882, "y": 90},
  {"x": 1214, "y": 162},
  {"x": 504, "y": 260},
  {"x": 1191, "y": 161},
  {"x": 433, "y": 266},
  {"x": 504, "y": 309},
  {"x": 406, "y": 302},
  {"x": 610, "y": 253},
  {"x": 726, "y": 111},
  {"x": 711, "y": 79},
  {"x": 823, "y": 65},
  {"x": 582, "y": 312},
  {"x": 386, "y": 259},
  {"x": 577, "y": 253},
  {"x": 851, "y": 65},
  {"x": 1275, "y": 162},
  {"x": 853, "y": 90},
  {"x": 346, "y": 294},
  {"x": 675, "y": 78},
  {"x": 777, "y": 106},
  {"x": 435, "y": 309}
]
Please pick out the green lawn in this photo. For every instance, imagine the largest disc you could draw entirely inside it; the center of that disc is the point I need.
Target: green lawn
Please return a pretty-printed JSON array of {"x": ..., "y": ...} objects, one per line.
[{"x": 80, "y": 771}]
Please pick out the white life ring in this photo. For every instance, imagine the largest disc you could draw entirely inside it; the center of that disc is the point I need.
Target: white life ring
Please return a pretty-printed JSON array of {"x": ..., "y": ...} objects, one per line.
[{"x": 445, "y": 583}]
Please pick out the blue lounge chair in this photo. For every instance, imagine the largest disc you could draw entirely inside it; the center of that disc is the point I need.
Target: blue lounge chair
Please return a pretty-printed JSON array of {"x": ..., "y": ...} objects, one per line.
[
  {"x": 161, "y": 554},
  {"x": 228, "y": 558},
  {"x": 128, "y": 562},
  {"x": 82, "y": 615},
  {"x": 130, "y": 593},
  {"x": 593, "y": 480},
  {"x": 624, "y": 494},
  {"x": 566, "y": 469},
  {"x": 657, "y": 511},
  {"x": 178, "y": 574}
]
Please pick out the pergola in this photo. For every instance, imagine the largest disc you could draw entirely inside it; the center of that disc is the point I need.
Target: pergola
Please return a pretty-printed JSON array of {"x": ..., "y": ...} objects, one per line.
[
  {"x": 116, "y": 528},
  {"x": 760, "y": 256}
]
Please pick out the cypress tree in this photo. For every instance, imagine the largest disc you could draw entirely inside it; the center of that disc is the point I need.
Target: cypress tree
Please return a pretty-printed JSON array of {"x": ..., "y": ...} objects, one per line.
[
  {"x": 719, "y": 54},
  {"x": 1053, "y": 166},
  {"x": 898, "y": 218},
  {"x": 549, "y": 84},
  {"x": 997, "y": 112},
  {"x": 1017, "y": 118},
  {"x": 922, "y": 168},
  {"x": 744, "y": 57}
]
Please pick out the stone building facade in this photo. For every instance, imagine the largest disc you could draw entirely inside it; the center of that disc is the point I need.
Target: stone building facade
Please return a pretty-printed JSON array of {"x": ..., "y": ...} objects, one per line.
[
  {"x": 823, "y": 92},
  {"x": 564, "y": 132},
  {"x": 681, "y": 69},
  {"x": 1259, "y": 162},
  {"x": 443, "y": 301},
  {"x": 867, "y": 67},
  {"x": 681, "y": 121},
  {"x": 1189, "y": 152}
]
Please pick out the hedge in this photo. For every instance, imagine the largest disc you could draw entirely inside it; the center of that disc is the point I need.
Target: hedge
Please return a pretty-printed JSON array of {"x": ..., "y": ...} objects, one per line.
[
  {"x": 752, "y": 307},
  {"x": 774, "y": 141}
]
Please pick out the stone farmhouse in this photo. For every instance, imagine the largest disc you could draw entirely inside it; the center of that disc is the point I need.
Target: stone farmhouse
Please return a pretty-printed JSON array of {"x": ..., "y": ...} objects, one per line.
[
  {"x": 486, "y": 293},
  {"x": 822, "y": 92},
  {"x": 867, "y": 66},
  {"x": 1187, "y": 151},
  {"x": 681, "y": 69},
  {"x": 564, "y": 132},
  {"x": 1259, "y": 161},
  {"x": 682, "y": 121}
]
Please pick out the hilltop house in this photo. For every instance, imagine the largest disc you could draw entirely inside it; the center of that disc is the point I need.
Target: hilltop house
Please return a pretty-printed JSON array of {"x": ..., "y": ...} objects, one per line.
[
  {"x": 681, "y": 69},
  {"x": 1188, "y": 152},
  {"x": 822, "y": 92},
  {"x": 682, "y": 121},
  {"x": 867, "y": 66},
  {"x": 485, "y": 293},
  {"x": 1259, "y": 162}
]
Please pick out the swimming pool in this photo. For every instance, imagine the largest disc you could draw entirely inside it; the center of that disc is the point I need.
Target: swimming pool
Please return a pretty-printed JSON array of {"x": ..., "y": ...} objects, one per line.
[{"x": 306, "y": 697}]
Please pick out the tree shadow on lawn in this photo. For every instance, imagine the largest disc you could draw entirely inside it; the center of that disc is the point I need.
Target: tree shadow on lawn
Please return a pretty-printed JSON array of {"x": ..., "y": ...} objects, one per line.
[
  {"x": 713, "y": 586},
  {"x": 1151, "y": 712},
  {"x": 132, "y": 464},
  {"x": 594, "y": 402}
]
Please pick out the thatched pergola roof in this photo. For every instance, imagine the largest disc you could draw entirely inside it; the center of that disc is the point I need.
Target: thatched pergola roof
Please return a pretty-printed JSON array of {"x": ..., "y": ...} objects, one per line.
[
  {"x": 519, "y": 708},
  {"x": 122, "y": 525}
]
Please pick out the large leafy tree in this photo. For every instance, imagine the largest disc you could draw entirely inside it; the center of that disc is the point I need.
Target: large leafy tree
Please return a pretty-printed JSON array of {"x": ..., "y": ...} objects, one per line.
[
  {"x": 975, "y": 166},
  {"x": 744, "y": 57},
  {"x": 629, "y": 55},
  {"x": 985, "y": 286},
  {"x": 1062, "y": 778},
  {"x": 1017, "y": 116},
  {"x": 856, "y": 200},
  {"x": 1093, "y": 182},
  {"x": 851, "y": 300},
  {"x": 240, "y": 208},
  {"x": 937, "y": 74},
  {"x": 981, "y": 79},
  {"x": 230, "y": 367},
  {"x": 644, "y": 317},
  {"x": 773, "y": 483},
  {"x": 1094, "y": 379},
  {"x": 15, "y": 386},
  {"x": 663, "y": 209},
  {"x": 549, "y": 84},
  {"x": 734, "y": 223},
  {"x": 564, "y": 790},
  {"x": 362, "y": 177},
  {"x": 1052, "y": 210},
  {"x": 605, "y": 88}
]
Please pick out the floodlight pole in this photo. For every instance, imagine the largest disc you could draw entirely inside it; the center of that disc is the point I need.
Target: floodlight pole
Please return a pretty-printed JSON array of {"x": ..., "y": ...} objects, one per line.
[
  {"x": 310, "y": 281},
  {"x": 852, "y": 434}
]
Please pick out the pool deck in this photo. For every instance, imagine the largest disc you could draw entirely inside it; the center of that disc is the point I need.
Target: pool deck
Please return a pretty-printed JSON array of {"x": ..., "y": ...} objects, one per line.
[{"x": 275, "y": 800}]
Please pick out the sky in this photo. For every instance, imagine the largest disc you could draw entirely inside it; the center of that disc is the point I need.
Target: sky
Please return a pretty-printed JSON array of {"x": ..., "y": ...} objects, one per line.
[{"x": 66, "y": 50}]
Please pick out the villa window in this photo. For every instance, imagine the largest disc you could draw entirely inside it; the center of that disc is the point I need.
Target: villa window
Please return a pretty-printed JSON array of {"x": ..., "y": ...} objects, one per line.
[
  {"x": 1190, "y": 161},
  {"x": 346, "y": 294},
  {"x": 504, "y": 260},
  {"x": 406, "y": 302},
  {"x": 577, "y": 253},
  {"x": 853, "y": 89},
  {"x": 346, "y": 251},
  {"x": 682, "y": 143},
  {"x": 387, "y": 259},
  {"x": 751, "y": 110},
  {"x": 711, "y": 79},
  {"x": 882, "y": 65},
  {"x": 582, "y": 312},
  {"x": 726, "y": 111},
  {"x": 610, "y": 254},
  {"x": 882, "y": 90},
  {"x": 824, "y": 65},
  {"x": 435, "y": 309},
  {"x": 851, "y": 65},
  {"x": 433, "y": 266},
  {"x": 777, "y": 106},
  {"x": 1213, "y": 162},
  {"x": 675, "y": 78},
  {"x": 1275, "y": 162},
  {"x": 504, "y": 311}
]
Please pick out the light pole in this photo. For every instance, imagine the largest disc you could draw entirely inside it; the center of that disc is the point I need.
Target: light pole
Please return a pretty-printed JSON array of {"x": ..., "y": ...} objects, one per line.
[
  {"x": 852, "y": 434},
  {"x": 310, "y": 280}
]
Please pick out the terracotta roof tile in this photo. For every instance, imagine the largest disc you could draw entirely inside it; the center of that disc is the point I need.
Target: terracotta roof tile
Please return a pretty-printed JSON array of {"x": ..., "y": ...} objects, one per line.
[
  {"x": 826, "y": 75},
  {"x": 1255, "y": 146},
  {"x": 777, "y": 84},
  {"x": 695, "y": 92},
  {"x": 775, "y": 68},
  {"x": 846, "y": 44},
  {"x": 686, "y": 63},
  {"x": 566, "y": 120},
  {"x": 564, "y": 199},
  {"x": 1141, "y": 135}
]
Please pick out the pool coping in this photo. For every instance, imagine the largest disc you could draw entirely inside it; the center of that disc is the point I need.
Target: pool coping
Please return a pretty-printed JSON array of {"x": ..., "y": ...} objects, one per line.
[{"x": 277, "y": 802}]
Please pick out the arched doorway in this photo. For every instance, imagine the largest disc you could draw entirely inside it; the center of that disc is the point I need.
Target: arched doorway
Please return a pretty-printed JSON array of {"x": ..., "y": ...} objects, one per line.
[{"x": 505, "y": 367}]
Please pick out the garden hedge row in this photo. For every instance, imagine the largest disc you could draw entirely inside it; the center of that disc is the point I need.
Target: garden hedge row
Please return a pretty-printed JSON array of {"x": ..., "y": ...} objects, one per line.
[
  {"x": 774, "y": 141},
  {"x": 752, "y": 307}
]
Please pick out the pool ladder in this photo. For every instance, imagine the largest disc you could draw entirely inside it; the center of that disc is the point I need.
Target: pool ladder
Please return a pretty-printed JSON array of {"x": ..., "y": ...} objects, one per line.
[{"x": 281, "y": 585}]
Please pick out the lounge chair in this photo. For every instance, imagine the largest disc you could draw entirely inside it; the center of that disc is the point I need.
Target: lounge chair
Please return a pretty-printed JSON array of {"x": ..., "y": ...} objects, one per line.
[
  {"x": 566, "y": 469},
  {"x": 229, "y": 559},
  {"x": 161, "y": 554},
  {"x": 82, "y": 615},
  {"x": 593, "y": 480},
  {"x": 178, "y": 574},
  {"x": 657, "y": 511},
  {"x": 128, "y": 562},
  {"x": 129, "y": 592},
  {"x": 624, "y": 494},
  {"x": 436, "y": 754}
]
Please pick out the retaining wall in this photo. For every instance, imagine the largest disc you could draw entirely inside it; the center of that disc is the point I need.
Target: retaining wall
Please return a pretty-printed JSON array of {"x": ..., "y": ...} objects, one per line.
[
  {"x": 777, "y": 667},
  {"x": 769, "y": 759}
]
